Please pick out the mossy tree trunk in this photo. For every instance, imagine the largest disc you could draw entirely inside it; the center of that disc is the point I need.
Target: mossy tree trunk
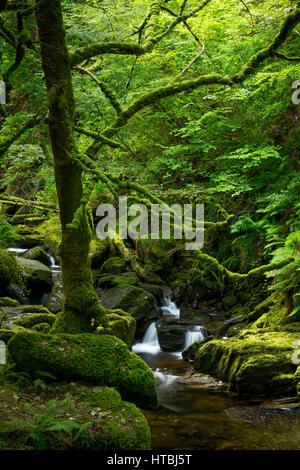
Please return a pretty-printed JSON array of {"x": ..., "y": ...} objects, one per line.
[{"x": 82, "y": 310}]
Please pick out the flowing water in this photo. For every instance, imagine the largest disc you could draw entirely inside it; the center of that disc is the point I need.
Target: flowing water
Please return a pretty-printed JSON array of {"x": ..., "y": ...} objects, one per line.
[{"x": 202, "y": 416}]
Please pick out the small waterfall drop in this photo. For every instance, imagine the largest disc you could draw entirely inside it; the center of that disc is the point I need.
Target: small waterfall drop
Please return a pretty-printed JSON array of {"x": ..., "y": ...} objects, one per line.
[
  {"x": 170, "y": 308},
  {"x": 150, "y": 342},
  {"x": 191, "y": 337}
]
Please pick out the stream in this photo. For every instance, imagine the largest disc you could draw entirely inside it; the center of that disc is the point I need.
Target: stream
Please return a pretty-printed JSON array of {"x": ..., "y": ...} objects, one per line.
[
  {"x": 203, "y": 416},
  {"x": 200, "y": 414}
]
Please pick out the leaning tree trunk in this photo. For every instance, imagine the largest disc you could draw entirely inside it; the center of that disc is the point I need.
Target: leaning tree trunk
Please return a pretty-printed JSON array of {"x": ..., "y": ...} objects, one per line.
[{"x": 82, "y": 310}]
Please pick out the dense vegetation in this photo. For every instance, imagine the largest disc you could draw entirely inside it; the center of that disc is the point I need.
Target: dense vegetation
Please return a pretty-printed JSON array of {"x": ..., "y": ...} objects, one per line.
[{"x": 160, "y": 101}]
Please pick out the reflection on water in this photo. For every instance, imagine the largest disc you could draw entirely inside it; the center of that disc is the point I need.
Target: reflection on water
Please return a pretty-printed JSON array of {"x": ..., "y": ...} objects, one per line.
[{"x": 194, "y": 418}]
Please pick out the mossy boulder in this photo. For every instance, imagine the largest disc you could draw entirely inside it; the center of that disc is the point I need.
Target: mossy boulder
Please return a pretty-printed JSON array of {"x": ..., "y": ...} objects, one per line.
[
  {"x": 190, "y": 352},
  {"x": 101, "y": 360},
  {"x": 157, "y": 291},
  {"x": 120, "y": 280},
  {"x": 8, "y": 302},
  {"x": 256, "y": 363},
  {"x": 113, "y": 265},
  {"x": 39, "y": 254},
  {"x": 134, "y": 300},
  {"x": 121, "y": 324},
  {"x": 105, "y": 421},
  {"x": 37, "y": 275},
  {"x": 9, "y": 271},
  {"x": 50, "y": 234},
  {"x": 32, "y": 320}
]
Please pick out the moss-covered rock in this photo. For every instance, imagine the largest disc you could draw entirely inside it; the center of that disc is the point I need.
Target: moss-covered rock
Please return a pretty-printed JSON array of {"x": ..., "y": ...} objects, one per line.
[
  {"x": 252, "y": 363},
  {"x": 155, "y": 290},
  {"x": 31, "y": 320},
  {"x": 121, "y": 324},
  {"x": 134, "y": 300},
  {"x": 114, "y": 265},
  {"x": 34, "y": 309},
  {"x": 9, "y": 271},
  {"x": 42, "y": 327},
  {"x": 37, "y": 275},
  {"x": 39, "y": 254},
  {"x": 189, "y": 353},
  {"x": 101, "y": 360},
  {"x": 8, "y": 302},
  {"x": 105, "y": 421},
  {"x": 7, "y": 333}
]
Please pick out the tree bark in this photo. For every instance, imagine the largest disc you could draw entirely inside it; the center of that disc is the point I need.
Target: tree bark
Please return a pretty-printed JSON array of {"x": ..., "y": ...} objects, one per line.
[{"x": 82, "y": 311}]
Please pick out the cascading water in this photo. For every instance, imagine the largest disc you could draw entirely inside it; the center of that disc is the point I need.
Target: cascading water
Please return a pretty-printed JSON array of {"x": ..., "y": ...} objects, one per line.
[
  {"x": 150, "y": 342},
  {"x": 197, "y": 334},
  {"x": 170, "y": 308}
]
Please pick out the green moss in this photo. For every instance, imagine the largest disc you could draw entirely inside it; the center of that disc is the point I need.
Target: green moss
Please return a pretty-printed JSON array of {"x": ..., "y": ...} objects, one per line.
[
  {"x": 99, "y": 250},
  {"x": 250, "y": 362},
  {"x": 113, "y": 266},
  {"x": 6, "y": 335},
  {"x": 107, "y": 422},
  {"x": 102, "y": 360},
  {"x": 9, "y": 270},
  {"x": 31, "y": 320},
  {"x": 50, "y": 232},
  {"x": 8, "y": 302},
  {"x": 35, "y": 309},
  {"x": 139, "y": 303},
  {"x": 121, "y": 324},
  {"x": 39, "y": 254},
  {"x": 42, "y": 327}
]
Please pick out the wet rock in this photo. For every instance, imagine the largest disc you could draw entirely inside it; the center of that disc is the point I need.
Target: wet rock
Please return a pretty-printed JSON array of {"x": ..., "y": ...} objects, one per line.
[
  {"x": 204, "y": 382},
  {"x": 190, "y": 314},
  {"x": 171, "y": 337}
]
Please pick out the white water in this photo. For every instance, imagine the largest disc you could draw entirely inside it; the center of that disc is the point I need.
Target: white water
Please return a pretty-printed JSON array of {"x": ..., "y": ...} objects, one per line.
[
  {"x": 192, "y": 336},
  {"x": 150, "y": 342},
  {"x": 17, "y": 250},
  {"x": 170, "y": 308},
  {"x": 55, "y": 267},
  {"x": 164, "y": 379}
]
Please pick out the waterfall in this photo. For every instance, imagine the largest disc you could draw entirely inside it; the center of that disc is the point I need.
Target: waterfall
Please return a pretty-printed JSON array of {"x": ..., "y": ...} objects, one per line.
[
  {"x": 170, "y": 308},
  {"x": 150, "y": 342},
  {"x": 17, "y": 251},
  {"x": 192, "y": 336}
]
